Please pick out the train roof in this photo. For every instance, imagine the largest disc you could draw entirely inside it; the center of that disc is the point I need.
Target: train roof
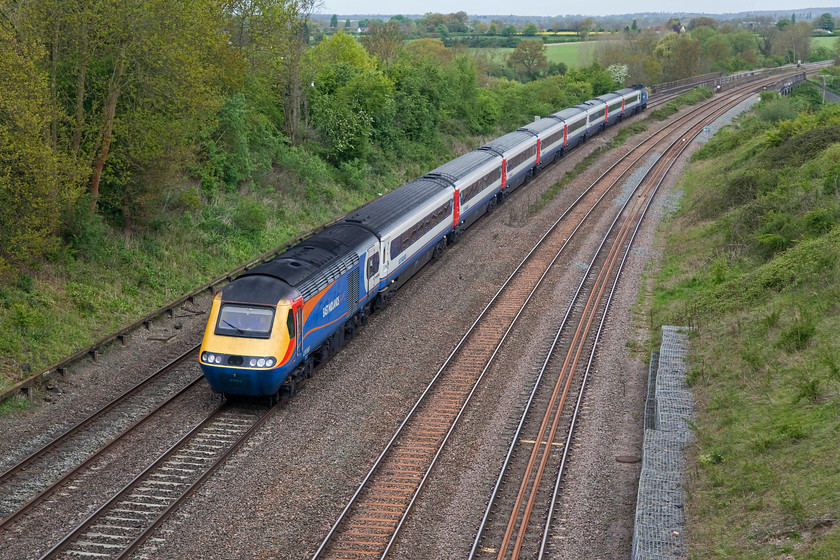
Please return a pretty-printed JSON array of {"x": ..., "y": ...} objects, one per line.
[
  {"x": 589, "y": 105},
  {"x": 258, "y": 289},
  {"x": 629, "y": 90},
  {"x": 464, "y": 165},
  {"x": 316, "y": 262},
  {"x": 392, "y": 208},
  {"x": 607, "y": 97},
  {"x": 511, "y": 140},
  {"x": 543, "y": 124},
  {"x": 568, "y": 114}
]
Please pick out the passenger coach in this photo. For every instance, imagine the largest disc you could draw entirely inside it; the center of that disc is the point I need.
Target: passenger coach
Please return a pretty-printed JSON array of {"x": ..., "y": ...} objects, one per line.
[{"x": 273, "y": 324}]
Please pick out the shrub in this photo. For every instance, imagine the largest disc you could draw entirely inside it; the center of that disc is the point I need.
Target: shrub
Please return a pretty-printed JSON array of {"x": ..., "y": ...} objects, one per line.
[
  {"x": 250, "y": 218},
  {"x": 797, "y": 336}
]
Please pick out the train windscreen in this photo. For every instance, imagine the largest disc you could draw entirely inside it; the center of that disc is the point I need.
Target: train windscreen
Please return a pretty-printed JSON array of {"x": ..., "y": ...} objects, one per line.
[{"x": 241, "y": 320}]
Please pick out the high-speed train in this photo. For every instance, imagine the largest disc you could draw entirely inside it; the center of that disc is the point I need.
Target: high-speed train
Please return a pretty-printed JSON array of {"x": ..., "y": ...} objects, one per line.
[{"x": 274, "y": 323}]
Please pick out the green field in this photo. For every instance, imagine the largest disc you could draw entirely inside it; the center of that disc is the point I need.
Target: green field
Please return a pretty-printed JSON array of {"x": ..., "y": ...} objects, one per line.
[
  {"x": 580, "y": 53},
  {"x": 570, "y": 54},
  {"x": 827, "y": 42}
]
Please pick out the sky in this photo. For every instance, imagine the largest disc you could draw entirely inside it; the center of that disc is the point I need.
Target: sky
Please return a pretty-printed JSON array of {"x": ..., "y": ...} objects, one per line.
[{"x": 554, "y": 8}]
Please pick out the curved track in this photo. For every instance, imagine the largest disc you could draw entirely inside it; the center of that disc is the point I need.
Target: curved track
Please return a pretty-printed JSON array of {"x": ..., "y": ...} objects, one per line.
[{"x": 369, "y": 524}]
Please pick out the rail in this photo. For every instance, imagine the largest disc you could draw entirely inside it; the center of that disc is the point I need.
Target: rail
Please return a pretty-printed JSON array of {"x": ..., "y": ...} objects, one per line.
[{"x": 60, "y": 367}]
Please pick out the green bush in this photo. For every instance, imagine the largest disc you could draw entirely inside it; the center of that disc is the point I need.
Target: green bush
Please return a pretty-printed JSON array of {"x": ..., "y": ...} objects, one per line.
[
  {"x": 798, "y": 334},
  {"x": 84, "y": 232}
]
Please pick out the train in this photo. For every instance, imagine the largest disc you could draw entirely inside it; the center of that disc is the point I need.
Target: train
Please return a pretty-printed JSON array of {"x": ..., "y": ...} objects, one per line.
[{"x": 273, "y": 324}]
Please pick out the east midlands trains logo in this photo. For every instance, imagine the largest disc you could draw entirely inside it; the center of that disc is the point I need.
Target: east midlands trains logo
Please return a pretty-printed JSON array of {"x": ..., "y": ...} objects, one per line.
[{"x": 331, "y": 305}]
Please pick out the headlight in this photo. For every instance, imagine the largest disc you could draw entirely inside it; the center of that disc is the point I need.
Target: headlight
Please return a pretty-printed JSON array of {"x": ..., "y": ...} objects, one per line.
[{"x": 240, "y": 361}]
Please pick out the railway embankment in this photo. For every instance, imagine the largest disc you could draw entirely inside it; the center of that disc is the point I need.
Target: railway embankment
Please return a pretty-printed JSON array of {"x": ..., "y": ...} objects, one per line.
[{"x": 751, "y": 262}]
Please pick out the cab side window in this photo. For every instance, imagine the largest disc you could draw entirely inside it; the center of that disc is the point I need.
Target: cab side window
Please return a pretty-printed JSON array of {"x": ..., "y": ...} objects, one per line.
[
  {"x": 290, "y": 324},
  {"x": 373, "y": 265}
]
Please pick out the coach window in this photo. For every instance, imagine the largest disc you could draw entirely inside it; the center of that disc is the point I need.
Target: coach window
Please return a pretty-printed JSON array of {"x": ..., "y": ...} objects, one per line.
[{"x": 556, "y": 137}]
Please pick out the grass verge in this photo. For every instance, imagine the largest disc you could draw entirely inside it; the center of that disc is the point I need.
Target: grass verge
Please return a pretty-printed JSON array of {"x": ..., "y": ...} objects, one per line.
[{"x": 753, "y": 260}]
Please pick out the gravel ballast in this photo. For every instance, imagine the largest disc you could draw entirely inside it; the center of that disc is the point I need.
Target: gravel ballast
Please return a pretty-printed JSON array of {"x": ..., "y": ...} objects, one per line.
[{"x": 278, "y": 497}]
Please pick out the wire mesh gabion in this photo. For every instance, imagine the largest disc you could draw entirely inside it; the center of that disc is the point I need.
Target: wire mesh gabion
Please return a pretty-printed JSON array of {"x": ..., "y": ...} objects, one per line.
[{"x": 669, "y": 416}]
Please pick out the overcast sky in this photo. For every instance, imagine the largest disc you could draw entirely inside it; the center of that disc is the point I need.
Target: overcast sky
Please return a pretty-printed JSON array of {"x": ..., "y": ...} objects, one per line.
[{"x": 554, "y": 8}]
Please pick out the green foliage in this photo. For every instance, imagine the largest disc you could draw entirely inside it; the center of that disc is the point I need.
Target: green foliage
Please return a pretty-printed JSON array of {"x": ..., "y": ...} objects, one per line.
[
  {"x": 250, "y": 218},
  {"x": 84, "y": 231},
  {"x": 775, "y": 110},
  {"x": 798, "y": 334},
  {"x": 14, "y": 404},
  {"x": 754, "y": 258},
  {"x": 36, "y": 182},
  {"x": 528, "y": 58},
  {"x": 213, "y": 133}
]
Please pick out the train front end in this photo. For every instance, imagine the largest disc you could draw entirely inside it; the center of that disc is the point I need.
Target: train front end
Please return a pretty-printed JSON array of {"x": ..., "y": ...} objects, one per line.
[{"x": 249, "y": 341}]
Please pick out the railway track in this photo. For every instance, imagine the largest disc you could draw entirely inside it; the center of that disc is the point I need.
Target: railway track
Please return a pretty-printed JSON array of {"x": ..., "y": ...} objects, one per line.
[
  {"x": 26, "y": 483},
  {"x": 124, "y": 522},
  {"x": 369, "y": 524},
  {"x": 410, "y": 467},
  {"x": 534, "y": 465},
  {"x": 523, "y": 502}
]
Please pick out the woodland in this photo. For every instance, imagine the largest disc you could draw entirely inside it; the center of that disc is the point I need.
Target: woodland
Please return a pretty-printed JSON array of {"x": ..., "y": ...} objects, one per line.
[{"x": 147, "y": 149}]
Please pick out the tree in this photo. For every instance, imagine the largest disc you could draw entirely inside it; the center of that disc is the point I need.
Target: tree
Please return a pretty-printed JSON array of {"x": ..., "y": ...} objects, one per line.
[
  {"x": 457, "y": 22},
  {"x": 765, "y": 32},
  {"x": 349, "y": 96},
  {"x": 618, "y": 72},
  {"x": 826, "y": 22},
  {"x": 702, "y": 21},
  {"x": 528, "y": 58},
  {"x": 429, "y": 48},
  {"x": 334, "y": 21},
  {"x": 584, "y": 27},
  {"x": 432, "y": 21},
  {"x": 347, "y": 24},
  {"x": 139, "y": 79},
  {"x": 793, "y": 43},
  {"x": 530, "y": 29},
  {"x": 384, "y": 40},
  {"x": 37, "y": 183},
  {"x": 679, "y": 55},
  {"x": 276, "y": 50}
]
